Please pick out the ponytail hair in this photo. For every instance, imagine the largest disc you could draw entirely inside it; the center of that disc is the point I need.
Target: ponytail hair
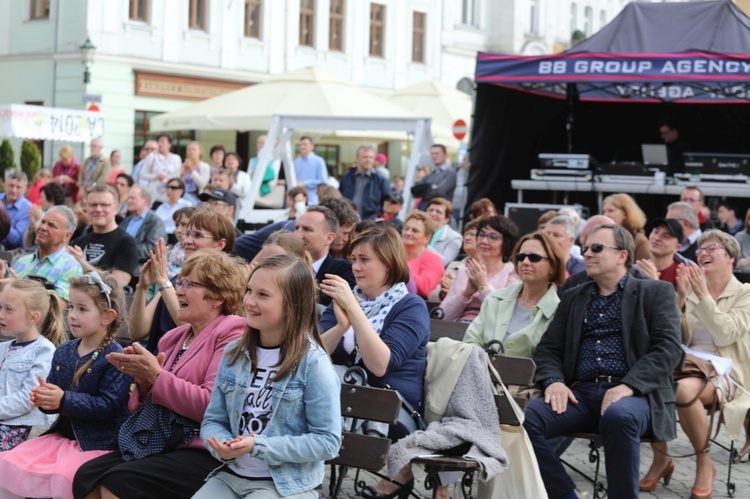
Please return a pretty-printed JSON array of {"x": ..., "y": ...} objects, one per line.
[
  {"x": 36, "y": 298},
  {"x": 102, "y": 287}
]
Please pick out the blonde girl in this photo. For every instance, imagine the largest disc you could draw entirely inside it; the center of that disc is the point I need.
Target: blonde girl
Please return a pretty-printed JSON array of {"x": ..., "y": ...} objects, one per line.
[
  {"x": 88, "y": 393},
  {"x": 30, "y": 315},
  {"x": 277, "y": 417}
]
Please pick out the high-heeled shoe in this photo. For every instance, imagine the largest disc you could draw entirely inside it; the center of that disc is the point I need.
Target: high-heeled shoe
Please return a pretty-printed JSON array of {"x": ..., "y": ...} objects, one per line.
[
  {"x": 649, "y": 485},
  {"x": 704, "y": 493},
  {"x": 370, "y": 492}
]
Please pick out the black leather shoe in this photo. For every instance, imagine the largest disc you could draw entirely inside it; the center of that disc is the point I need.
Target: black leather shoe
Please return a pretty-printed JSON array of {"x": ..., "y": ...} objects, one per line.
[{"x": 369, "y": 492}]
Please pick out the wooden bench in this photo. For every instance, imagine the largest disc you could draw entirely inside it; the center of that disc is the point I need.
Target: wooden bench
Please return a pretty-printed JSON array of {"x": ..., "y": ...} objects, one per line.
[
  {"x": 362, "y": 403},
  {"x": 447, "y": 329},
  {"x": 517, "y": 371}
]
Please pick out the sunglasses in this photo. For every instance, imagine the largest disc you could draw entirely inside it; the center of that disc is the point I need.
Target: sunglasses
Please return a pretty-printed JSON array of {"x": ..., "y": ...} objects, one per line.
[
  {"x": 174, "y": 187},
  {"x": 597, "y": 248},
  {"x": 533, "y": 257}
]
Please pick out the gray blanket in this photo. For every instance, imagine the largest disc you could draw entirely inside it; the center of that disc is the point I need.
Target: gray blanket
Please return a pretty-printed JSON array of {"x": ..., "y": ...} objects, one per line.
[{"x": 471, "y": 417}]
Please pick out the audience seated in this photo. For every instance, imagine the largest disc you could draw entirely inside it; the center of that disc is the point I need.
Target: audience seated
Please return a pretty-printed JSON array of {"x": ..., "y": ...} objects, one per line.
[
  {"x": 664, "y": 242},
  {"x": 519, "y": 314},
  {"x": 160, "y": 453},
  {"x": 562, "y": 230},
  {"x": 426, "y": 266},
  {"x": 240, "y": 184},
  {"x": 688, "y": 218},
  {"x": 176, "y": 256},
  {"x": 66, "y": 173},
  {"x": 142, "y": 223},
  {"x": 175, "y": 201},
  {"x": 123, "y": 183},
  {"x": 496, "y": 238},
  {"x": 17, "y": 206},
  {"x": 347, "y": 216},
  {"x": 195, "y": 174},
  {"x": 296, "y": 200},
  {"x": 446, "y": 242},
  {"x": 160, "y": 166},
  {"x": 715, "y": 318},
  {"x": 451, "y": 271},
  {"x": 693, "y": 196},
  {"x": 482, "y": 208},
  {"x": 50, "y": 195},
  {"x": 379, "y": 326},
  {"x": 626, "y": 213},
  {"x": 391, "y": 208},
  {"x": 728, "y": 221}
]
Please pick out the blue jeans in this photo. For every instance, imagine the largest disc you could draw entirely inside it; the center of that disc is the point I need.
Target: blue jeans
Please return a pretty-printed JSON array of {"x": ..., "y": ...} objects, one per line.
[{"x": 621, "y": 428}]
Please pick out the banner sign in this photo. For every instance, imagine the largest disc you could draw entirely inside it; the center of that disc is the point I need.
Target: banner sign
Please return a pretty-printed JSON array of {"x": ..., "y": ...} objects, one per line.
[
  {"x": 50, "y": 123},
  {"x": 687, "y": 77}
]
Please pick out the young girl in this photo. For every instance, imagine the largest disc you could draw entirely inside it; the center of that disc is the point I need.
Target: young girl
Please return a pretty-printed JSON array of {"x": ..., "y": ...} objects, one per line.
[
  {"x": 89, "y": 394},
  {"x": 276, "y": 418},
  {"x": 26, "y": 310}
]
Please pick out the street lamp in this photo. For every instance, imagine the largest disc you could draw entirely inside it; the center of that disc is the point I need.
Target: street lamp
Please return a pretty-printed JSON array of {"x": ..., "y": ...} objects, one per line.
[{"x": 87, "y": 58}]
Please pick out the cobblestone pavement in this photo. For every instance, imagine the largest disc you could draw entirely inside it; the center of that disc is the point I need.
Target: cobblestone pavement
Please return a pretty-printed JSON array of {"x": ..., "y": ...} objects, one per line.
[{"x": 578, "y": 452}]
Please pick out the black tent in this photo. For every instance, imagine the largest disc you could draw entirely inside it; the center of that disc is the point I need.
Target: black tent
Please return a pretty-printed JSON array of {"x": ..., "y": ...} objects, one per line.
[{"x": 689, "y": 61}]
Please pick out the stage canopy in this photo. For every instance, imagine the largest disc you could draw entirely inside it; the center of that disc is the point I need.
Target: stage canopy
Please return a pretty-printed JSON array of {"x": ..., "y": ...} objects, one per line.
[{"x": 606, "y": 96}]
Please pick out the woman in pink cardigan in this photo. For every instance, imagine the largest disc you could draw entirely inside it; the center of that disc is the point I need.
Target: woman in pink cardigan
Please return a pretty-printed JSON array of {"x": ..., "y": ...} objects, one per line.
[
  {"x": 496, "y": 237},
  {"x": 161, "y": 454},
  {"x": 425, "y": 266}
]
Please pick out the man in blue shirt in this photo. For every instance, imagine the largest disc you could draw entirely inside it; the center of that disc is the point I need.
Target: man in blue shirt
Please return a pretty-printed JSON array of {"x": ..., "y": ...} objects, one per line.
[
  {"x": 364, "y": 186},
  {"x": 605, "y": 364},
  {"x": 311, "y": 170},
  {"x": 17, "y": 207}
]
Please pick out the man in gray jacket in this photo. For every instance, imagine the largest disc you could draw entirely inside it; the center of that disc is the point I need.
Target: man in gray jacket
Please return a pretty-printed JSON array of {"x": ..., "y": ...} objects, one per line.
[{"x": 142, "y": 223}]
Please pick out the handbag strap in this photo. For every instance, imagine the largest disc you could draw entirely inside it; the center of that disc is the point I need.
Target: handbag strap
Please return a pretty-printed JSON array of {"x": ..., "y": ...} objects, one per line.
[{"x": 494, "y": 374}]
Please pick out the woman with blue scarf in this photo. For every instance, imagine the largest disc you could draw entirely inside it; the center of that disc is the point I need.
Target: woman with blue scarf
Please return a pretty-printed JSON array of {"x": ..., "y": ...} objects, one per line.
[{"x": 379, "y": 326}]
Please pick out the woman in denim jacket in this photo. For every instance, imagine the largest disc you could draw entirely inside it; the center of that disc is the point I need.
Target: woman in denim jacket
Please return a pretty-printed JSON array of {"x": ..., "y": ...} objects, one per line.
[{"x": 274, "y": 416}]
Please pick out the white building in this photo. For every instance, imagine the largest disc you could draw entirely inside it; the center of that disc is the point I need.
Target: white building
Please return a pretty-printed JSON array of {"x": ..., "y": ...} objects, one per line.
[{"x": 154, "y": 56}]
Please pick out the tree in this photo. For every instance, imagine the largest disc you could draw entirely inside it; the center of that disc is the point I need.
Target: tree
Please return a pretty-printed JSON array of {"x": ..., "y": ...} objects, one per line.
[
  {"x": 31, "y": 160},
  {"x": 577, "y": 37},
  {"x": 7, "y": 157}
]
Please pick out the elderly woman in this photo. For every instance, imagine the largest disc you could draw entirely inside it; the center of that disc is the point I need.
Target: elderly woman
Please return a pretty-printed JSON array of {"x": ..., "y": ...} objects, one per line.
[
  {"x": 160, "y": 452},
  {"x": 380, "y": 325},
  {"x": 205, "y": 229},
  {"x": 66, "y": 173},
  {"x": 496, "y": 237},
  {"x": 451, "y": 271},
  {"x": 518, "y": 315},
  {"x": 626, "y": 213},
  {"x": 425, "y": 266},
  {"x": 715, "y": 313}
]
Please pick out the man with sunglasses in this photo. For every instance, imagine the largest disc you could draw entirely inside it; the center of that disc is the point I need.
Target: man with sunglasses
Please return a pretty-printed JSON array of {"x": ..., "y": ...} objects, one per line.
[{"x": 605, "y": 364}]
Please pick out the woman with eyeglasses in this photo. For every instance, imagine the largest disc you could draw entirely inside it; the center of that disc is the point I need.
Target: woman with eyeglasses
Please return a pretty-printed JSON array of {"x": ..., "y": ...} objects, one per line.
[
  {"x": 518, "y": 315},
  {"x": 626, "y": 213},
  {"x": 496, "y": 237},
  {"x": 715, "y": 316},
  {"x": 160, "y": 453},
  {"x": 205, "y": 230},
  {"x": 426, "y": 267}
]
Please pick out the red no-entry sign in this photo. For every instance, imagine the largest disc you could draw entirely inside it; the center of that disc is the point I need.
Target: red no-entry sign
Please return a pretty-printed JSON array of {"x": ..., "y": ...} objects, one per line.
[{"x": 459, "y": 129}]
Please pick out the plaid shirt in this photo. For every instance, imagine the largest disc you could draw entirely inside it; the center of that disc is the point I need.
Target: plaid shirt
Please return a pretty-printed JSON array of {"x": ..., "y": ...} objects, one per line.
[{"x": 57, "y": 268}]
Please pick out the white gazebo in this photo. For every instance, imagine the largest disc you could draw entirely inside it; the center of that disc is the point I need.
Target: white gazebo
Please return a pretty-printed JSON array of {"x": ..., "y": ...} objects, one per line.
[{"x": 308, "y": 99}]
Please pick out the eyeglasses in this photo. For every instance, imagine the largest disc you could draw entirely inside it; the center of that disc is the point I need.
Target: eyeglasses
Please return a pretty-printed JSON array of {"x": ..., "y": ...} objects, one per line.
[
  {"x": 689, "y": 200},
  {"x": 491, "y": 237},
  {"x": 597, "y": 248},
  {"x": 96, "y": 206},
  {"x": 533, "y": 257},
  {"x": 196, "y": 235},
  {"x": 709, "y": 249},
  {"x": 174, "y": 187},
  {"x": 187, "y": 283}
]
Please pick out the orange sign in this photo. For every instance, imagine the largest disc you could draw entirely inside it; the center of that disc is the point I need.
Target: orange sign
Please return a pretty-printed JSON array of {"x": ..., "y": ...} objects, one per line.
[{"x": 182, "y": 87}]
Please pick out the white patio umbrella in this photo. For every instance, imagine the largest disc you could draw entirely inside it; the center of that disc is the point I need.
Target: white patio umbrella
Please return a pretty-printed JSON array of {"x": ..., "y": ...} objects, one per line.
[{"x": 306, "y": 92}]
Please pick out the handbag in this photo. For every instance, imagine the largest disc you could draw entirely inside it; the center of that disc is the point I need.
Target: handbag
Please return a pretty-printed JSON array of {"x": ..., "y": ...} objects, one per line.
[{"x": 523, "y": 478}]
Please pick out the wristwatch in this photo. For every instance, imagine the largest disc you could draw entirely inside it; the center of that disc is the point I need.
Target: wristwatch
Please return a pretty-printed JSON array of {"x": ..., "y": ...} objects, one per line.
[{"x": 166, "y": 285}]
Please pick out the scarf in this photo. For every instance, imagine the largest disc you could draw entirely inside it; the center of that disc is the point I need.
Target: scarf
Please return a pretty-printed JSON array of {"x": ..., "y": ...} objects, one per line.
[{"x": 376, "y": 310}]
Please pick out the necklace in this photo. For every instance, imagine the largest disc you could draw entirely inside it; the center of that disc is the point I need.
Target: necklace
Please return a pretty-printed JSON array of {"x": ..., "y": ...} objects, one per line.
[{"x": 185, "y": 343}]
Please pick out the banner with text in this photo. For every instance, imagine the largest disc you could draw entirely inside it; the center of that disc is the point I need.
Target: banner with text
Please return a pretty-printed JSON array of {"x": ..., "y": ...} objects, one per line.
[
  {"x": 50, "y": 123},
  {"x": 687, "y": 77}
]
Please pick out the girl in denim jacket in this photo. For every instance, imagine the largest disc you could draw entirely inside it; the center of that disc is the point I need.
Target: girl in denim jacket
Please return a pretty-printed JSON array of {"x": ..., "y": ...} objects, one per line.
[
  {"x": 274, "y": 416},
  {"x": 88, "y": 393},
  {"x": 32, "y": 316}
]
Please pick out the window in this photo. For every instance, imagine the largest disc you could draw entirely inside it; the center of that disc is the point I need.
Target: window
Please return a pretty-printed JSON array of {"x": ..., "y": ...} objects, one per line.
[
  {"x": 38, "y": 9},
  {"x": 573, "y": 18},
  {"x": 589, "y": 20},
  {"x": 336, "y": 26},
  {"x": 252, "y": 18},
  {"x": 141, "y": 134},
  {"x": 418, "y": 35},
  {"x": 139, "y": 10},
  {"x": 470, "y": 12},
  {"x": 534, "y": 17},
  {"x": 198, "y": 19},
  {"x": 602, "y": 19},
  {"x": 307, "y": 23},
  {"x": 377, "y": 29}
]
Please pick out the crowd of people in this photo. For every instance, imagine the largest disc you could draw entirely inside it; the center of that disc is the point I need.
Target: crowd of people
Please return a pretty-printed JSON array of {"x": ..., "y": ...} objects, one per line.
[{"x": 235, "y": 342}]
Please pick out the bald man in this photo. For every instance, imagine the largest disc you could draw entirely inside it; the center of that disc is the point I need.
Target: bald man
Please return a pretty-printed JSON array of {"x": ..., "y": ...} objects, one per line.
[{"x": 582, "y": 277}]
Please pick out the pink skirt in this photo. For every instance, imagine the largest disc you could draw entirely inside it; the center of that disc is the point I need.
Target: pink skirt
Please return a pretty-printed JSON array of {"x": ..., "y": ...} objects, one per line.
[{"x": 43, "y": 466}]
